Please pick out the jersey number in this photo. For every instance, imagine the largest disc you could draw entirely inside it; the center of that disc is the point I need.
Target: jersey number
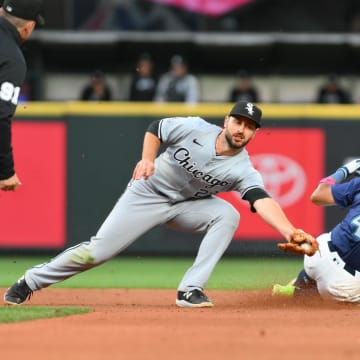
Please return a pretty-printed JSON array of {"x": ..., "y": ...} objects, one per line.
[{"x": 9, "y": 92}]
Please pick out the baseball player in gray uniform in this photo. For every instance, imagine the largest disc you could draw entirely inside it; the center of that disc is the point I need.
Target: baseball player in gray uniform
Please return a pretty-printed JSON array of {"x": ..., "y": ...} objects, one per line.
[{"x": 178, "y": 189}]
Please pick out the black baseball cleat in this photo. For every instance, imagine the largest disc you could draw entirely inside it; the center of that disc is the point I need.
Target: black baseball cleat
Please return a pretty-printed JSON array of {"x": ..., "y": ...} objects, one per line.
[
  {"x": 193, "y": 298},
  {"x": 18, "y": 293}
]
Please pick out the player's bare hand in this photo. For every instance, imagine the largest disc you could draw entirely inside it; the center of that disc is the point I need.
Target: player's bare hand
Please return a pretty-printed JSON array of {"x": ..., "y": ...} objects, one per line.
[
  {"x": 143, "y": 169},
  {"x": 10, "y": 184}
]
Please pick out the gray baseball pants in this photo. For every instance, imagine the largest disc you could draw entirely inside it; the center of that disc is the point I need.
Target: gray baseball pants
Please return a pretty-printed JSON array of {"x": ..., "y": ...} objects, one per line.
[{"x": 133, "y": 215}]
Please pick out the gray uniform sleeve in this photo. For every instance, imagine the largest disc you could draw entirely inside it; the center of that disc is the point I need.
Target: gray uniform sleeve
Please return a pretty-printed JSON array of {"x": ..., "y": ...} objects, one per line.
[
  {"x": 250, "y": 179},
  {"x": 173, "y": 130}
]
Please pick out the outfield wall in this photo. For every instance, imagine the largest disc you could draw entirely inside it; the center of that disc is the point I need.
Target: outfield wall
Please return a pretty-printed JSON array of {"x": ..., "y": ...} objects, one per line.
[{"x": 75, "y": 159}]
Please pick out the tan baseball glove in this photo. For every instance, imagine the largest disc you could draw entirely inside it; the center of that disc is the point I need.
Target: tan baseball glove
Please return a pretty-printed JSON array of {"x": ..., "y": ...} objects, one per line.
[{"x": 301, "y": 243}]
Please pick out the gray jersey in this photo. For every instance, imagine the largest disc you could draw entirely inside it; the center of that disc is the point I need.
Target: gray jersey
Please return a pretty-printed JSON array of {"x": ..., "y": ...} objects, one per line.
[{"x": 189, "y": 167}]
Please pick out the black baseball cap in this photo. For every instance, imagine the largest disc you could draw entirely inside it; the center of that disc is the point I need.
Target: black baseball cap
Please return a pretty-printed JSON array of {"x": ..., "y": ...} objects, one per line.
[
  {"x": 25, "y": 9},
  {"x": 248, "y": 110}
]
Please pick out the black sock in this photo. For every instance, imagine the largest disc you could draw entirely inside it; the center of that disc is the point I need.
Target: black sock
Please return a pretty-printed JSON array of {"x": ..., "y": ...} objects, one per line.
[{"x": 303, "y": 281}]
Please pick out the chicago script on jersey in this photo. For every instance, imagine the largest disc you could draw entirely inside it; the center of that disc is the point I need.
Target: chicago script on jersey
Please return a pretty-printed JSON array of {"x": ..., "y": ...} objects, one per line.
[{"x": 182, "y": 156}]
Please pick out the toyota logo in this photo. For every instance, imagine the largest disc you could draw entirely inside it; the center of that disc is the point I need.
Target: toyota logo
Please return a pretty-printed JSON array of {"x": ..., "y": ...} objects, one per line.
[{"x": 284, "y": 178}]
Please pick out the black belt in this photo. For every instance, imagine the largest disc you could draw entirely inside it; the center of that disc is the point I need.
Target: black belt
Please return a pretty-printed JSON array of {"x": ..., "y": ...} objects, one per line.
[{"x": 347, "y": 267}]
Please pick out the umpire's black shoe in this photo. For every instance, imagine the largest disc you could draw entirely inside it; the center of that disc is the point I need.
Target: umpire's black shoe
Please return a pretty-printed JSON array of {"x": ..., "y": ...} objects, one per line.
[
  {"x": 18, "y": 293},
  {"x": 193, "y": 298}
]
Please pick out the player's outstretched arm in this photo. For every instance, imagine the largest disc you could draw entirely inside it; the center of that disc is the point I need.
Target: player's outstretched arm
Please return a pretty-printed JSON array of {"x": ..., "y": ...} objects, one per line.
[
  {"x": 298, "y": 241},
  {"x": 342, "y": 172},
  {"x": 145, "y": 167},
  {"x": 322, "y": 195},
  {"x": 271, "y": 212}
]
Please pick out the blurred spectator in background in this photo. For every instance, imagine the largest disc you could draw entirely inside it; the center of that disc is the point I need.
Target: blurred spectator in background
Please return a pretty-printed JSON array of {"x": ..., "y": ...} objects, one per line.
[
  {"x": 332, "y": 93},
  {"x": 243, "y": 89},
  {"x": 143, "y": 82},
  {"x": 97, "y": 89},
  {"x": 178, "y": 85}
]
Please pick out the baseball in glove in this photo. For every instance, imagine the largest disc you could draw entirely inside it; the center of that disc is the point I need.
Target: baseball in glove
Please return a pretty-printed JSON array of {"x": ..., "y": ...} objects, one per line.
[{"x": 301, "y": 243}]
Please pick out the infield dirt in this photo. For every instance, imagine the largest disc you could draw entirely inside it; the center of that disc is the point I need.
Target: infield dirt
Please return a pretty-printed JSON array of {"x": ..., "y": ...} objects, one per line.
[{"x": 146, "y": 325}]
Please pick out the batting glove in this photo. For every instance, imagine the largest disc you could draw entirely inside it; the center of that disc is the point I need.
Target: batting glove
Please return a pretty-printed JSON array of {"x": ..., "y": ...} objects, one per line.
[{"x": 352, "y": 167}]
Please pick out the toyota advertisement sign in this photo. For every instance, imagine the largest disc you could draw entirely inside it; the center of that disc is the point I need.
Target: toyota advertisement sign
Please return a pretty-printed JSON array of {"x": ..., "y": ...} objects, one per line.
[{"x": 35, "y": 215}]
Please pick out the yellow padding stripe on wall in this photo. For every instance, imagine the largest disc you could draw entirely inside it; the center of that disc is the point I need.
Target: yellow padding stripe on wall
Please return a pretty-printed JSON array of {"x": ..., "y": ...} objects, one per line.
[{"x": 59, "y": 109}]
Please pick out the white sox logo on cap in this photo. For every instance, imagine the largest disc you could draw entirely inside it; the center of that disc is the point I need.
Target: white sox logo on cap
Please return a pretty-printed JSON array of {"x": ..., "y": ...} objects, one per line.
[{"x": 250, "y": 108}]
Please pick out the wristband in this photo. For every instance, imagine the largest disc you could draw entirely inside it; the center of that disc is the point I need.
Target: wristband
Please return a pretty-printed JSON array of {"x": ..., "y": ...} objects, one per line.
[
  {"x": 337, "y": 177},
  {"x": 327, "y": 180}
]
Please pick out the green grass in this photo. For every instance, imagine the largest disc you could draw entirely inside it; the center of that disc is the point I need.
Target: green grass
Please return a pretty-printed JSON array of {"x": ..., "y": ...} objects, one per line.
[
  {"x": 12, "y": 314},
  {"x": 164, "y": 273},
  {"x": 148, "y": 273}
]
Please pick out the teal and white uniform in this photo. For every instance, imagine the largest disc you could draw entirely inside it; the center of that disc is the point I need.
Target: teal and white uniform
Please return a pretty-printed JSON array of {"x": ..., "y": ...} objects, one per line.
[{"x": 336, "y": 266}]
